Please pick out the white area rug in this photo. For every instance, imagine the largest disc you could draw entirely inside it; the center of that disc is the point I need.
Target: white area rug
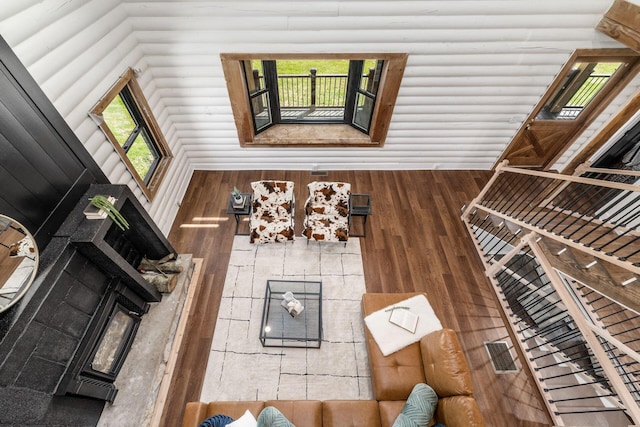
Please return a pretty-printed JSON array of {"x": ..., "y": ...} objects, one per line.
[{"x": 239, "y": 368}]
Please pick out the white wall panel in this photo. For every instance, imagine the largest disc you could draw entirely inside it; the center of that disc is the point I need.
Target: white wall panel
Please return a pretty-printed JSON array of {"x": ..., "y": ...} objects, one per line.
[
  {"x": 475, "y": 70},
  {"x": 76, "y": 50}
]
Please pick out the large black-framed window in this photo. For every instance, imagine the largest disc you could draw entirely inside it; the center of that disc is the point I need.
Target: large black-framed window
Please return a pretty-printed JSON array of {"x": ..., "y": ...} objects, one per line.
[
  {"x": 125, "y": 117},
  {"x": 298, "y": 98},
  {"x": 133, "y": 133}
]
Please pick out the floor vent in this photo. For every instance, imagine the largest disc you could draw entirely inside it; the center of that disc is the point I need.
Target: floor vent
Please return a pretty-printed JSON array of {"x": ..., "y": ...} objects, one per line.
[
  {"x": 500, "y": 356},
  {"x": 319, "y": 173}
]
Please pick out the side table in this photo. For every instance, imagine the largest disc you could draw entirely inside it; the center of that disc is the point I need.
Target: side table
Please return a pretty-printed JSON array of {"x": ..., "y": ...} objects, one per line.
[
  {"x": 361, "y": 206},
  {"x": 245, "y": 210}
]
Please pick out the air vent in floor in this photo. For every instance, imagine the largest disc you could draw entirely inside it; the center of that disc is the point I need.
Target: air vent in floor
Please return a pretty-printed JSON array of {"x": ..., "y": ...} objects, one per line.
[
  {"x": 500, "y": 356},
  {"x": 319, "y": 173}
]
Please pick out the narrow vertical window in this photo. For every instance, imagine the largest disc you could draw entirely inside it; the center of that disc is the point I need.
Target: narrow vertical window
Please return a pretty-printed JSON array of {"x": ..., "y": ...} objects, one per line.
[
  {"x": 132, "y": 133},
  {"x": 125, "y": 118},
  {"x": 259, "y": 98},
  {"x": 367, "y": 84}
]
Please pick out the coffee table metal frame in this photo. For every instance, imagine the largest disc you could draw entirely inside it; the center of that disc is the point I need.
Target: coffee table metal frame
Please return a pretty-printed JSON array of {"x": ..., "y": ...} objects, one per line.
[{"x": 278, "y": 328}]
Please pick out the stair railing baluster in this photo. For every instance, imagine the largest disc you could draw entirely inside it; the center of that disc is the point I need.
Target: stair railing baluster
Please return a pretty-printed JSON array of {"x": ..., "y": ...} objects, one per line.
[
  {"x": 543, "y": 330},
  {"x": 534, "y": 302},
  {"x": 587, "y": 212},
  {"x": 521, "y": 181},
  {"x": 608, "y": 229},
  {"x": 500, "y": 192},
  {"x": 561, "y": 209},
  {"x": 612, "y": 314},
  {"x": 620, "y": 322},
  {"x": 497, "y": 188}
]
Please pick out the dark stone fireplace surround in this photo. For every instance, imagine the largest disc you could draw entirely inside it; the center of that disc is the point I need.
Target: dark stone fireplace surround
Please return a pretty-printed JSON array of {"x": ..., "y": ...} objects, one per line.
[{"x": 49, "y": 340}]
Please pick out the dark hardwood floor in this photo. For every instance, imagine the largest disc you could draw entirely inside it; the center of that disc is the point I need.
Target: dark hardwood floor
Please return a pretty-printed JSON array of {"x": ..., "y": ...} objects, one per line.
[{"x": 415, "y": 242}]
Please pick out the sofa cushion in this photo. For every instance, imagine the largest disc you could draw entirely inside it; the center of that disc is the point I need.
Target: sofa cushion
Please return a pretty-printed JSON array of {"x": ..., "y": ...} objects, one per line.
[
  {"x": 393, "y": 376},
  {"x": 246, "y": 420},
  {"x": 272, "y": 417},
  {"x": 389, "y": 411},
  {"x": 350, "y": 413},
  {"x": 234, "y": 409},
  {"x": 301, "y": 413},
  {"x": 445, "y": 366},
  {"x": 217, "y": 421},
  {"x": 459, "y": 411},
  {"x": 419, "y": 408}
]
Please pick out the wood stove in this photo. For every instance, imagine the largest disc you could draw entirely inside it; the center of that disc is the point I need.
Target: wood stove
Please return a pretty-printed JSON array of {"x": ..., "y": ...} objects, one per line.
[{"x": 105, "y": 349}]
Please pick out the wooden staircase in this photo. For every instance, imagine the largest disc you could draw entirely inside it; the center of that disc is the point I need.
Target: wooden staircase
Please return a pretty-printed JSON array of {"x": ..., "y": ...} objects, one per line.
[{"x": 585, "y": 234}]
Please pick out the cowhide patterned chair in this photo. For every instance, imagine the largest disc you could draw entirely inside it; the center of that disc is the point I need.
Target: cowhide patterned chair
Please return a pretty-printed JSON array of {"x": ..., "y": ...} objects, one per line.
[
  {"x": 272, "y": 212},
  {"x": 328, "y": 211}
]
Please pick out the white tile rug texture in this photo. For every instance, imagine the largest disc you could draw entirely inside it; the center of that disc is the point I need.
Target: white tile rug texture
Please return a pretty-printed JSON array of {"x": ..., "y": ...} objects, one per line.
[{"x": 240, "y": 368}]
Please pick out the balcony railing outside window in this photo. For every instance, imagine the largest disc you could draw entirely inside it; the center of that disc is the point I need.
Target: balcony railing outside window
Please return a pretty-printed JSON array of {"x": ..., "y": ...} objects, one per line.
[{"x": 322, "y": 96}]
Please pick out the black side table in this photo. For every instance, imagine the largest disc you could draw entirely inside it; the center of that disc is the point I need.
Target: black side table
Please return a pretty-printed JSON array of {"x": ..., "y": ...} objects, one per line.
[
  {"x": 245, "y": 210},
  {"x": 361, "y": 206}
]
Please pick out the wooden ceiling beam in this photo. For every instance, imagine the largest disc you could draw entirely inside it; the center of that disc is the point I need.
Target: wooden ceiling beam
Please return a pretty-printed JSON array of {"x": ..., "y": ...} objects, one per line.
[{"x": 622, "y": 23}]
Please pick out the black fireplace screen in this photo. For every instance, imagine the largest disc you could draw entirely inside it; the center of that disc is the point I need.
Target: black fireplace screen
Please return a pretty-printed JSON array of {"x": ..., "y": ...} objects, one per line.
[
  {"x": 109, "y": 341},
  {"x": 114, "y": 343}
]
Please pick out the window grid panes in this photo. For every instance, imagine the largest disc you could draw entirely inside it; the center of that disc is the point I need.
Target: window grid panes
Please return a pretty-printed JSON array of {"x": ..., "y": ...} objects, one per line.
[
  {"x": 127, "y": 126},
  {"x": 312, "y": 91},
  {"x": 583, "y": 83},
  {"x": 125, "y": 117}
]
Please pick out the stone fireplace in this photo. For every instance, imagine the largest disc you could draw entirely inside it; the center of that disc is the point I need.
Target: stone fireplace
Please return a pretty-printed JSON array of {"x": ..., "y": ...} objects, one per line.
[{"x": 66, "y": 342}]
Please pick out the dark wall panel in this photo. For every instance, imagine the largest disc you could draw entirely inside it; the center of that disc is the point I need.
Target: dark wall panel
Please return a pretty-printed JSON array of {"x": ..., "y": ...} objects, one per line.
[
  {"x": 44, "y": 168},
  {"x": 44, "y": 172}
]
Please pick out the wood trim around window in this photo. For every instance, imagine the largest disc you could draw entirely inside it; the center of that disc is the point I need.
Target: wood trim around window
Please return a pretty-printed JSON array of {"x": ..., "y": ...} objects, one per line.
[
  {"x": 310, "y": 134},
  {"x": 128, "y": 79}
]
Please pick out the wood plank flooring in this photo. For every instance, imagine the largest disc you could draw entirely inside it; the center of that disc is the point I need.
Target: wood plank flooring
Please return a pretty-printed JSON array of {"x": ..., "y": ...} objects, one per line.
[{"x": 415, "y": 242}]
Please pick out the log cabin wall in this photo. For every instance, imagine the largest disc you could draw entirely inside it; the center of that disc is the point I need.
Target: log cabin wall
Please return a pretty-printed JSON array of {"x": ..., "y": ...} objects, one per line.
[{"x": 475, "y": 71}]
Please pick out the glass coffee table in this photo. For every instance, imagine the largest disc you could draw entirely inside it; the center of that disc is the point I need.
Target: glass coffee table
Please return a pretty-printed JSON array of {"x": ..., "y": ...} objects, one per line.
[{"x": 279, "y": 328}]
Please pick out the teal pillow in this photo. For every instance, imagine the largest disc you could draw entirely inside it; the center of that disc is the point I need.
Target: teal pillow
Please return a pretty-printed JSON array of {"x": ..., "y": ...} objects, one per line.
[
  {"x": 271, "y": 417},
  {"x": 419, "y": 407}
]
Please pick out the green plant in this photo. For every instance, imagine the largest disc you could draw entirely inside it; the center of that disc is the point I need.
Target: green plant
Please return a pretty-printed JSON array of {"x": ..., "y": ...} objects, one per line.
[
  {"x": 101, "y": 202},
  {"x": 236, "y": 192}
]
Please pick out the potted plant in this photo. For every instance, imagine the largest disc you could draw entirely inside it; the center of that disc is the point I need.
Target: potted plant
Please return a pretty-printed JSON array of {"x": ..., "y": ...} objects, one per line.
[
  {"x": 237, "y": 197},
  {"x": 106, "y": 208}
]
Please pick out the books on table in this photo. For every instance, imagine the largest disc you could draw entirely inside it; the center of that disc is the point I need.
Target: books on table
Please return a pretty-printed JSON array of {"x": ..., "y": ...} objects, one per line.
[
  {"x": 92, "y": 212},
  {"x": 404, "y": 318}
]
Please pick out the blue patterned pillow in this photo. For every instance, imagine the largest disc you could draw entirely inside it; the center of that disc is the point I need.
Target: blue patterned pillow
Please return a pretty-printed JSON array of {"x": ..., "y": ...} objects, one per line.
[
  {"x": 216, "y": 421},
  {"x": 419, "y": 408},
  {"x": 271, "y": 417}
]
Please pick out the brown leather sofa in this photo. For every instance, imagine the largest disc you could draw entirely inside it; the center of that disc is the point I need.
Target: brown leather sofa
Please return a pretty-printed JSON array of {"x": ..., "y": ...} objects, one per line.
[{"x": 436, "y": 360}]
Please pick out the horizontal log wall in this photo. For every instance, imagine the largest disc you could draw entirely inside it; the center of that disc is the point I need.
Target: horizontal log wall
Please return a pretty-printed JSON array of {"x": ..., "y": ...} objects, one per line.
[
  {"x": 76, "y": 50},
  {"x": 475, "y": 70}
]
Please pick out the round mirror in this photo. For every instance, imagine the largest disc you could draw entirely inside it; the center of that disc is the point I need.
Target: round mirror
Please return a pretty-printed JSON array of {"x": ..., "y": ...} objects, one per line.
[{"x": 18, "y": 261}]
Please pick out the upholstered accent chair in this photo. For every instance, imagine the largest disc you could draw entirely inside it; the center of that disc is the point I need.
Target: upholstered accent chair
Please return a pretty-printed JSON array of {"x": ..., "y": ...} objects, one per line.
[
  {"x": 272, "y": 212},
  {"x": 328, "y": 211}
]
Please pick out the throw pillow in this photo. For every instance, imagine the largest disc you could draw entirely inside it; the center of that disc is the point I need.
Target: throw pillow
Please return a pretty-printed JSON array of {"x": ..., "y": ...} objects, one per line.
[
  {"x": 216, "y": 421},
  {"x": 271, "y": 417},
  {"x": 246, "y": 420},
  {"x": 419, "y": 408}
]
